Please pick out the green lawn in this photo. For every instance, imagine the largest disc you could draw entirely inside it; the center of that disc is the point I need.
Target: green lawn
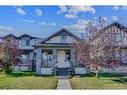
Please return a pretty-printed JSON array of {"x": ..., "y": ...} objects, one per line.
[
  {"x": 27, "y": 80},
  {"x": 101, "y": 83}
]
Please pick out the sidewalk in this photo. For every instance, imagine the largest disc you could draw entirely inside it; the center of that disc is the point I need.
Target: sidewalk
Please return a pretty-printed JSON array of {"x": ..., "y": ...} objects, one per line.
[{"x": 64, "y": 84}]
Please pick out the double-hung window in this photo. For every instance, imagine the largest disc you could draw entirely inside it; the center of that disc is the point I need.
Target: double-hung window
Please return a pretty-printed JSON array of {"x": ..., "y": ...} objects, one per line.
[
  {"x": 118, "y": 37},
  {"x": 25, "y": 42},
  {"x": 67, "y": 56}
]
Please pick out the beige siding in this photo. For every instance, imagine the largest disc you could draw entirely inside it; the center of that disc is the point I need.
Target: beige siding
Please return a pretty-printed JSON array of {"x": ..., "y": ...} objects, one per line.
[
  {"x": 57, "y": 39},
  {"x": 61, "y": 59}
]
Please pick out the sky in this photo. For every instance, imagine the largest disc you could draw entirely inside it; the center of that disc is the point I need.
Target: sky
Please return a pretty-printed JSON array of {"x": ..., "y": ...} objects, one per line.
[{"x": 42, "y": 21}]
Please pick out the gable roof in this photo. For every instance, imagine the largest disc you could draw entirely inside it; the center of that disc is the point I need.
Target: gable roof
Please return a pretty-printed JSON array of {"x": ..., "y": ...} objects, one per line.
[
  {"x": 10, "y": 35},
  {"x": 118, "y": 25},
  {"x": 63, "y": 32},
  {"x": 26, "y": 35}
]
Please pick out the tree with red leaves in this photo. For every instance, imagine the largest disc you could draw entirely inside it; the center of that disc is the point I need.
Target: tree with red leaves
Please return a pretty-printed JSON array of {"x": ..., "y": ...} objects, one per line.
[
  {"x": 97, "y": 54},
  {"x": 9, "y": 54}
]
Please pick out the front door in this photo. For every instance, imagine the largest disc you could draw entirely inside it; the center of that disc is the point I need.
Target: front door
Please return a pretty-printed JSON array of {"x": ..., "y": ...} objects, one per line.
[
  {"x": 63, "y": 63},
  {"x": 63, "y": 59},
  {"x": 60, "y": 58}
]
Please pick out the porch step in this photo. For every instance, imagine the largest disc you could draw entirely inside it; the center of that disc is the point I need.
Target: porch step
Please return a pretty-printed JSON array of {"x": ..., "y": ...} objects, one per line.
[{"x": 63, "y": 72}]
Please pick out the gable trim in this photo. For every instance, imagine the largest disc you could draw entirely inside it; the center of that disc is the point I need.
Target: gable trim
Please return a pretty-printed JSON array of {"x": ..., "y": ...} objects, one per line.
[
  {"x": 118, "y": 25},
  {"x": 63, "y": 29},
  {"x": 26, "y": 35}
]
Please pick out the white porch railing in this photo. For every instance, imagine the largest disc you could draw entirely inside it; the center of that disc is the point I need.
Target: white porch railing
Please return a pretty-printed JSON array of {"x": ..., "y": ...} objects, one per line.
[{"x": 46, "y": 63}]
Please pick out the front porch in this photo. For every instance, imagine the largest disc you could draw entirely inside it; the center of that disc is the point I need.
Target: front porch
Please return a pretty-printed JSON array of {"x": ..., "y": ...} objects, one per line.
[
  {"x": 60, "y": 59},
  {"x": 51, "y": 59},
  {"x": 57, "y": 61},
  {"x": 27, "y": 61}
]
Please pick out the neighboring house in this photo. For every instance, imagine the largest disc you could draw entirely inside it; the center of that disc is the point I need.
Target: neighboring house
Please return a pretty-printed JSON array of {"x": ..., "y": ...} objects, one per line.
[
  {"x": 28, "y": 55},
  {"x": 117, "y": 33}
]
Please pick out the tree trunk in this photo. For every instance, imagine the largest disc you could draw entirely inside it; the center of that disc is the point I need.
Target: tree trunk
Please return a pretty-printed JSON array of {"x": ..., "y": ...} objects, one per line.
[
  {"x": 7, "y": 68},
  {"x": 97, "y": 74}
]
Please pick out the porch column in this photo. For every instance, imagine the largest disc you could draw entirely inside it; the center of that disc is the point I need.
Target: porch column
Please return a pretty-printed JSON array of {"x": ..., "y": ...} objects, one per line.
[
  {"x": 31, "y": 63},
  {"x": 72, "y": 63},
  {"x": 31, "y": 56},
  {"x": 54, "y": 50},
  {"x": 38, "y": 61},
  {"x": 72, "y": 56}
]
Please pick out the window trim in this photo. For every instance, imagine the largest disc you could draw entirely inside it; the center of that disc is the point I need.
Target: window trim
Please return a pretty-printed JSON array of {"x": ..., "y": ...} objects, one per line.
[
  {"x": 119, "y": 36},
  {"x": 69, "y": 57},
  {"x": 24, "y": 42},
  {"x": 24, "y": 59}
]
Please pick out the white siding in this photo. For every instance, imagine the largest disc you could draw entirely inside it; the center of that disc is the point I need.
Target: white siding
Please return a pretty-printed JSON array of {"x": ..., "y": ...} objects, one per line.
[
  {"x": 46, "y": 71},
  {"x": 81, "y": 71}
]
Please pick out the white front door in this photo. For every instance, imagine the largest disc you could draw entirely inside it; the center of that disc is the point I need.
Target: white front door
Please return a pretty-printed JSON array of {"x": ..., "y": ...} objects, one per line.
[{"x": 61, "y": 59}]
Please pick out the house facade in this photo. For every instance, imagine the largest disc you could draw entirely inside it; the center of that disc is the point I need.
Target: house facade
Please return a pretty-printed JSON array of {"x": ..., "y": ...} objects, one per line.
[
  {"x": 28, "y": 54},
  {"x": 117, "y": 34},
  {"x": 55, "y": 54}
]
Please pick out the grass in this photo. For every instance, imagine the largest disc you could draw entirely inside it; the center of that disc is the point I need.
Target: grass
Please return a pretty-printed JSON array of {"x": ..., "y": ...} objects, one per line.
[
  {"x": 27, "y": 80},
  {"x": 91, "y": 82}
]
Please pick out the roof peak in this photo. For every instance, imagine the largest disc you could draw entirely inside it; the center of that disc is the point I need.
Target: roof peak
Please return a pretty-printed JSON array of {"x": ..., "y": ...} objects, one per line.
[{"x": 60, "y": 31}]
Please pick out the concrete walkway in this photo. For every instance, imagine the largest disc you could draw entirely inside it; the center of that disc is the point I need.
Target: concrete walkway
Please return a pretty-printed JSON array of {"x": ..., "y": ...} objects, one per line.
[{"x": 64, "y": 83}]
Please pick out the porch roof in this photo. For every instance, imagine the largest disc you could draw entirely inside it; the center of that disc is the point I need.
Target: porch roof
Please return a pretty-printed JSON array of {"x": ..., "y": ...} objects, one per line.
[{"x": 26, "y": 50}]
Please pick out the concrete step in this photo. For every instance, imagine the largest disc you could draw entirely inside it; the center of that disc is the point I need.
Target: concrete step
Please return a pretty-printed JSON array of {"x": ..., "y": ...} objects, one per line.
[{"x": 63, "y": 71}]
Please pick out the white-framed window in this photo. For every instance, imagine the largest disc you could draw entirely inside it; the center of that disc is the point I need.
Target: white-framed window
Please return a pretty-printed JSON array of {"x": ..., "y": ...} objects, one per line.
[
  {"x": 125, "y": 39},
  {"x": 67, "y": 56},
  {"x": 124, "y": 57},
  {"x": 49, "y": 57},
  {"x": 118, "y": 37},
  {"x": 25, "y": 42},
  {"x": 117, "y": 54},
  {"x": 63, "y": 39},
  {"x": 25, "y": 58}
]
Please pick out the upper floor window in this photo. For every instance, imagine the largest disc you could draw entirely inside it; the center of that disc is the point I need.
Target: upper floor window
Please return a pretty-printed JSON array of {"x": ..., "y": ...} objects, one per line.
[
  {"x": 118, "y": 37},
  {"x": 25, "y": 42},
  {"x": 63, "y": 39}
]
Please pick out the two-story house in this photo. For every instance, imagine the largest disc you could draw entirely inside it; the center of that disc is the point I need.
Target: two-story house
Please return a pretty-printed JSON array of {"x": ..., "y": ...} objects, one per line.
[
  {"x": 117, "y": 35},
  {"x": 28, "y": 53}
]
